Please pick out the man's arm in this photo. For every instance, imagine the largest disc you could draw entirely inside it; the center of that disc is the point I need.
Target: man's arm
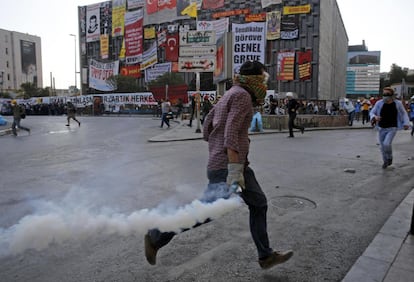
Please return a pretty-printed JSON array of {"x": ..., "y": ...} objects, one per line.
[{"x": 232, "y": 155}]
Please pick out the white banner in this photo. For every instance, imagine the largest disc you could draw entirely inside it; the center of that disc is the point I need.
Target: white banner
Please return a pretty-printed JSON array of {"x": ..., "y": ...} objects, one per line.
[
  {"x": 157, "y": 70},
  {"x": 249, "y": 43},
  {"x": 100, "y": 72}
]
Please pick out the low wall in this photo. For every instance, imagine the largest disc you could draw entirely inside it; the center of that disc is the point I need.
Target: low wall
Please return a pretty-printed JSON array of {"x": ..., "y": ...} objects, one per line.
[{"x": 281, "y": 122}]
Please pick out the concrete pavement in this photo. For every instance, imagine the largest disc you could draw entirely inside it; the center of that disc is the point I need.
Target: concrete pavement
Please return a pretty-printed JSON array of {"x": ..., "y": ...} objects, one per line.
[{"x": 390, "y": 255}]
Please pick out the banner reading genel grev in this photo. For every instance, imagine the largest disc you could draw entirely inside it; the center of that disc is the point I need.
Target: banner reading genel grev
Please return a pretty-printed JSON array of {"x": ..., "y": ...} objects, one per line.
[
  {"x": 249, "y": 42},
  {"x": 100, "y": 72}
]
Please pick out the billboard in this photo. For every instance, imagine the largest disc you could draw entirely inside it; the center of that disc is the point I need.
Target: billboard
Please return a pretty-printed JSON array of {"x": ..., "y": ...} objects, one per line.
[{"x": 28, "y": 58}]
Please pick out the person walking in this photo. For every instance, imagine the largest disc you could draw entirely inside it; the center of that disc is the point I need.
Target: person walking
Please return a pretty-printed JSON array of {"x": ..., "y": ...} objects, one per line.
[
  {"x": 365, "y": 111},
  {"x": 205, "y": 108},
  {"x": 411, "y": 107},
  {"x": 358, "y": 110},
  {"x": 350, "y": 110},
  {"x": 293, "y": 107},
  {"x": 192, "y": 109},
  {"x": 19, "y": 113},
  {"x": 165, "y": 109},
  {"x": 226, "y": 131},
  {"x": 388, "y": 115},
  {"x": 71, "y": 113}
]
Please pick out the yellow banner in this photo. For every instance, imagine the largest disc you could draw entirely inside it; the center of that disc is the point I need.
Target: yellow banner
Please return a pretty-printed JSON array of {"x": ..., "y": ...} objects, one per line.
[
  {"x": 104, "y": 46},
  {"x": 149, "y": 33},
  {"x": 291, "y": 10}
]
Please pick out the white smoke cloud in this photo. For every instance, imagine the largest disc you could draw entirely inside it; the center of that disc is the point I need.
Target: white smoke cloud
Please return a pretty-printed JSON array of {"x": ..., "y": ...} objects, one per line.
[{"x": 58, "y": 223}]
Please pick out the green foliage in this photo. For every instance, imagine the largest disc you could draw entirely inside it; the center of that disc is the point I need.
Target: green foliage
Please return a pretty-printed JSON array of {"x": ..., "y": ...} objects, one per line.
[
  {"x": 397, "y": 74},
  {"x": 29, "y": 90},
  {"x": 125, "y": 84},
  {"x": 170, "y": 78}
]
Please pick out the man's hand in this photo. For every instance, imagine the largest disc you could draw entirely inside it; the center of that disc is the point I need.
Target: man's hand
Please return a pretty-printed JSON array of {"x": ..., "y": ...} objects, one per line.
[{"x": 235, "y": 174}]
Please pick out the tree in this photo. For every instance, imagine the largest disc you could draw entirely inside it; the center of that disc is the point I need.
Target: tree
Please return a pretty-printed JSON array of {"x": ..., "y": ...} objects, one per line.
[
  {"x": 29, "y": 90},
  {"x": 397, "y": 74},
  {"x": 170, "y": 78},
  {"x": 124, "y": 84}
]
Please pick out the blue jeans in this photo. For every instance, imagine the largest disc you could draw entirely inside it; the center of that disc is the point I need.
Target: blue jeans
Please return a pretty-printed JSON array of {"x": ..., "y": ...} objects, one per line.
[
  {"x": 385, "y": 136},
  {"x": 252, "y": 195}
]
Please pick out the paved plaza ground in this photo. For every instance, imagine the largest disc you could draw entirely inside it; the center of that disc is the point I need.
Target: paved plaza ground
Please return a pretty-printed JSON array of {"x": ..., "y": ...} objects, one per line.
[{"x": 76, "y": 202}]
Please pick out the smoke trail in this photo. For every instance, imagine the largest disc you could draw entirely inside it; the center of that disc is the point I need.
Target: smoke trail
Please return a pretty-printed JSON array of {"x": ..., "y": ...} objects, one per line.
[{"x": 59, "y": 223}]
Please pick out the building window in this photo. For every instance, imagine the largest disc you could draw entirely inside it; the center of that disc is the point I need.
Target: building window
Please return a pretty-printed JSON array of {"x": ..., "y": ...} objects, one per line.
[
  {"x": 7, "y": 51},
  {"x": 7, "y": 64}
]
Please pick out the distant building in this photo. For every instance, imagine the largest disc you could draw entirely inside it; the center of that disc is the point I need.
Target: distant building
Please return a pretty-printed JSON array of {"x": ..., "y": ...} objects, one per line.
[
  {"x": 20, "y": 60},
  {"x": 303, "y": 44},
  {"x": 363, "y": 72}
]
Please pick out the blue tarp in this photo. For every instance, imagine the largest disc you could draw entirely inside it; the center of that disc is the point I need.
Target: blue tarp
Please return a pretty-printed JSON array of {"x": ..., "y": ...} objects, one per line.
[{"x": 2, "y": 121}]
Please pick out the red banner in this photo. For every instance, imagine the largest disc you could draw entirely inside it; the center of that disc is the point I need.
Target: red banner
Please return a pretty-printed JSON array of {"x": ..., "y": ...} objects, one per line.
[
  {"x": 172, "y": 48},
  {"x": 133, "y": 71},
  {"x": 213, "y": 4},
  {"x": 154, "y": 6},
  {"x": 286, "y": 65},
  {"x": 133, "y": 37},
  {"x": 304, "y": 64}
]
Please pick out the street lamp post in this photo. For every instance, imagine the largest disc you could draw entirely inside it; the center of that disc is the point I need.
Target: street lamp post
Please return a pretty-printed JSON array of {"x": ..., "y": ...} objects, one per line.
[{"x": 74, "y": 37}]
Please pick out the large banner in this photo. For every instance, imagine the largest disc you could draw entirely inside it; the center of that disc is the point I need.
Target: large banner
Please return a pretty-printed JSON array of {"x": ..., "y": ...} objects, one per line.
[
  {"x": 93, "y": 22},
  {"x": 249, "y": 43},
  {"x": 133, "y": 37},
  {"x": 273, "y": 25},
  {"x": 133, "y": 4},
  {"x": 149, "y": 57},
  {"x": 286, "y": 65},
  {"x": 156, "y": 70},
  {"x": 172, "y": 48},
  {"x": 100, "y": 72},
  {"x": 221, "y": 26},
  {"x": 118, "y": 17},
  {"x": 28, "y": 57},
  {"x": 304, "y": 64},
  {"x": 212, "y": 4},
  {"x": 289, "y": 28},
  {"x": 267, "y": 3}
]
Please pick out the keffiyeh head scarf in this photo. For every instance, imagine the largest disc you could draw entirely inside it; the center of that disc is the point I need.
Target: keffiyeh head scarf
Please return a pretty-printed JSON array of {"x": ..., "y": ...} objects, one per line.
[{"x": 255, "y": 84}]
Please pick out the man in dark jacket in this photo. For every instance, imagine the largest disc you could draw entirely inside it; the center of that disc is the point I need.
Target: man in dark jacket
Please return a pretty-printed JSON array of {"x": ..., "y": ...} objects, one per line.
[
  {"x": 19, "y": 112},
  {"x": 293, "y": 107}
]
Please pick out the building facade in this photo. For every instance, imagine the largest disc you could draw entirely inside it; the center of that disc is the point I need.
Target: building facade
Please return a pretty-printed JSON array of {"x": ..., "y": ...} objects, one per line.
[
  {"x": 20, "y": 60},
  {"x": 363, "y": 72},
  {"x": 303, "y": 43}
]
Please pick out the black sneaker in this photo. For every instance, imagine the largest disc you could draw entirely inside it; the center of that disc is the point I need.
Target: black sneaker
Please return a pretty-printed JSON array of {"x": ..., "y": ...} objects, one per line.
[
  {"x": 67, "y": 125},
  {"x": 275, "y": 258},
  {"x": 389, "y": 162},
  {"x": 384, "y": 165},
  {"x": 150, "y": 250}
]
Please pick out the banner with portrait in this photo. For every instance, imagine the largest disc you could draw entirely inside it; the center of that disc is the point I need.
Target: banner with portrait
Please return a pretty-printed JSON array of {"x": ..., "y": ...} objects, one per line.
[{"x": 273, "y": 25}]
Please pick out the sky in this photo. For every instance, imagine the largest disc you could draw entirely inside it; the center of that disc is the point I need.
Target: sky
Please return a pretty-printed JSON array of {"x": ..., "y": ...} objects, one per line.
[{"x": 383, "y": 24}]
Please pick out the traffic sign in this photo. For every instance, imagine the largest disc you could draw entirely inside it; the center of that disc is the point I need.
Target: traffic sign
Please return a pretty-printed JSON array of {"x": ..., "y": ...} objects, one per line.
[
  {"x": 195, "y": 37},
  {"x": 191, "y": 64},
  {"x": 191, "y": 51}
]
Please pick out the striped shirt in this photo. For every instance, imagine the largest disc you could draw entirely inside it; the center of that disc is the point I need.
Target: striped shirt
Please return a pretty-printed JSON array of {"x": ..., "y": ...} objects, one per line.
[{"x": 227, "y": 125}]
